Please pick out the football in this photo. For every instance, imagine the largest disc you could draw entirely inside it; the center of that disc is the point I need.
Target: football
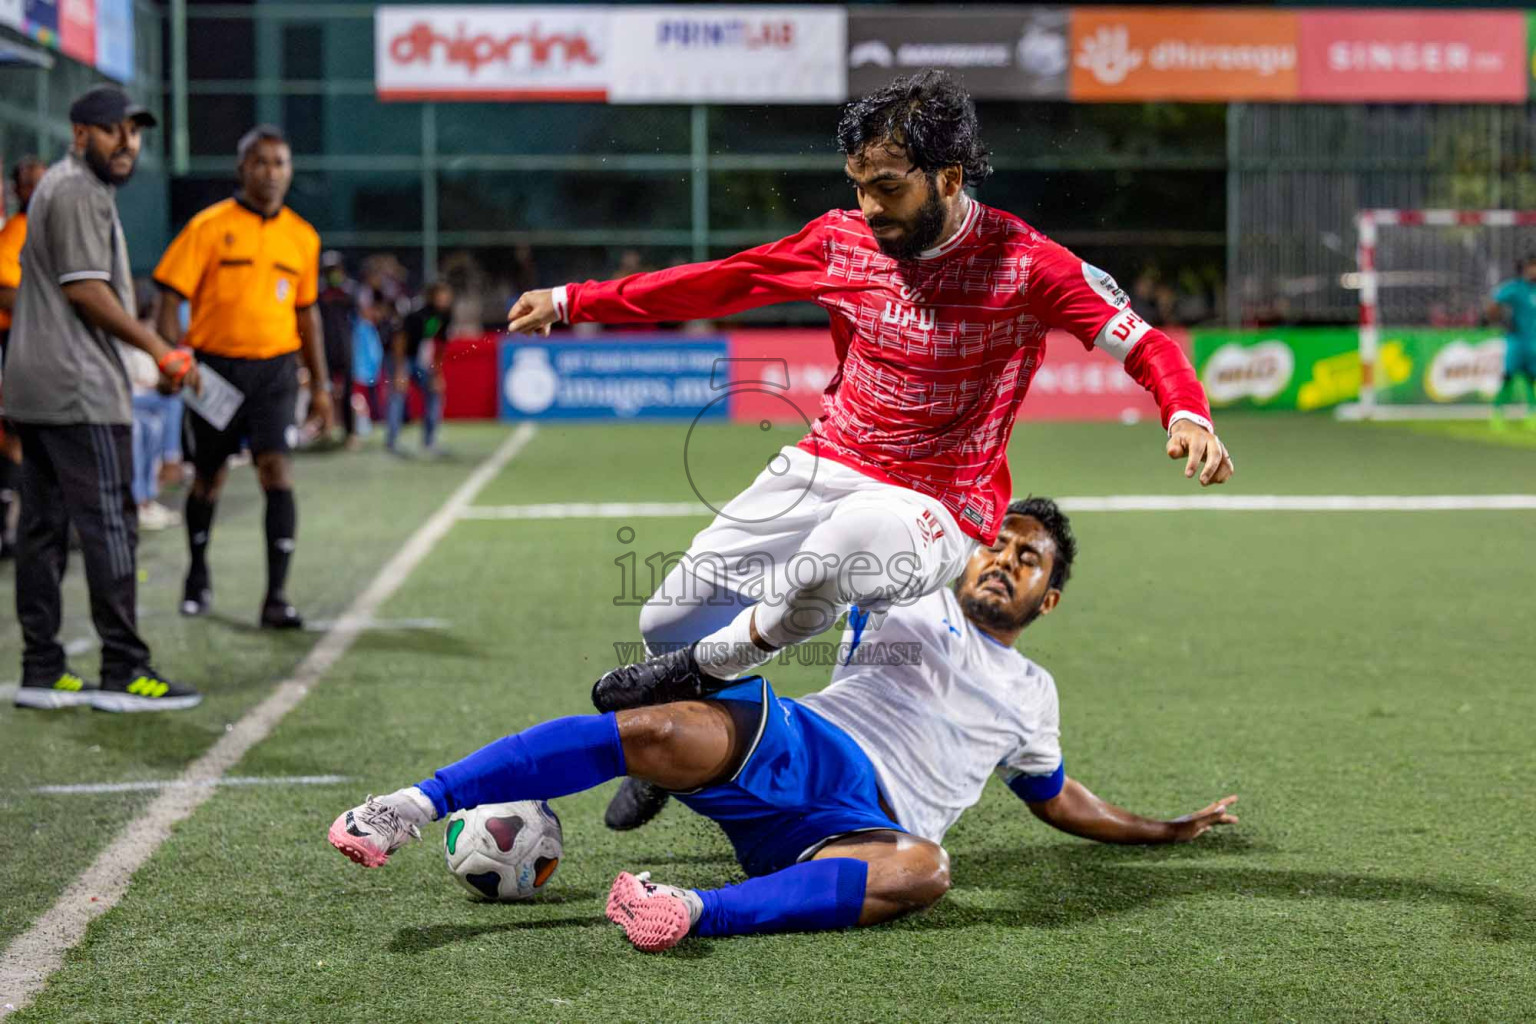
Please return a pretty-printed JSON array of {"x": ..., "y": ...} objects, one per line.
[{"x": 503, "y": 851}]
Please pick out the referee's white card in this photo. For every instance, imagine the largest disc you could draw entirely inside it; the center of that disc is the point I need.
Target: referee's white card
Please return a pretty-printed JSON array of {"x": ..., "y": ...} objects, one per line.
[{"x": 219, "y": 401}]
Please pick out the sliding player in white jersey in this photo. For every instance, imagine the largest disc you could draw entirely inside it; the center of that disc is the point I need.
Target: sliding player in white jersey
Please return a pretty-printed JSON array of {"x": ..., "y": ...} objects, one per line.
[{"x": 837, "y": 803}]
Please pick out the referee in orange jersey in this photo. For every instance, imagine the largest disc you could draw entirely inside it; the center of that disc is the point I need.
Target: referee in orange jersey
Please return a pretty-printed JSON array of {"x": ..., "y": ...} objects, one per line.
[{"x": 250, "y": 268}]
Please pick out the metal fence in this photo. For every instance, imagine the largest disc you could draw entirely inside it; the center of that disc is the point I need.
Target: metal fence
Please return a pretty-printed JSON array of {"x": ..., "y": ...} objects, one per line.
[
  {"x": 1299, "y": 174},
  {"x": 1244, "y": 211},
  {"x": 519, "y": 194}
]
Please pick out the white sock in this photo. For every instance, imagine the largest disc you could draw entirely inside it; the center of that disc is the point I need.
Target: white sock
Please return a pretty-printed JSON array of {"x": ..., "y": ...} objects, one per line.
[
  {"x": 412, "y": 805},
  {"x": 729, "y": 652},
  {"x": 691, "y": 897}
]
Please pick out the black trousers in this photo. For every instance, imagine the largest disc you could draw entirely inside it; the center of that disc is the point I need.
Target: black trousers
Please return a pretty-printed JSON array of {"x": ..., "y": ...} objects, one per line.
[{"x": 78, "y": 473}]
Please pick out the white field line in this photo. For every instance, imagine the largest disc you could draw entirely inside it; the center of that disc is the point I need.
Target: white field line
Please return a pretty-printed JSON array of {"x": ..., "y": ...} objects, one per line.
[
  {"x": 35, "y": 954},
  {"x": 1113, "y": 503},
  {"x": 90, "y": 788},
  {"x": 590, "y": 510}
]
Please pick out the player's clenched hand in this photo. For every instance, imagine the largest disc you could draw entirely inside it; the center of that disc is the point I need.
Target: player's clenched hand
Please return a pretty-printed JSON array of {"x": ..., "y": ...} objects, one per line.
[
  {"x": 1195, "y": 444},
  {"x": 533, "y": 312},
  {"x": 1192, "y": 826}
]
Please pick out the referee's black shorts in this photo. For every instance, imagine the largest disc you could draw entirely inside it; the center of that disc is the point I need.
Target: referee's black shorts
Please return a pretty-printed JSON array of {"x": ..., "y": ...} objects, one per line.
[{"x": 266, "y": 419}]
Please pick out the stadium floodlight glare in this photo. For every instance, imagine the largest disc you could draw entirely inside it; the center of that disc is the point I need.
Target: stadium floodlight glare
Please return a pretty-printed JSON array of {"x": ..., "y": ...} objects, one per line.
[{"x": 1425, "y": 277}]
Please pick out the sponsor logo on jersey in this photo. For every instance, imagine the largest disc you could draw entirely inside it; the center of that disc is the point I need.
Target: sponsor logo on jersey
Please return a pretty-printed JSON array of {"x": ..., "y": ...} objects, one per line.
[
  {"x": 905, "y": 317},
  {"x": 1105, "y": 286},
  {"x": 928, "y": 525}
]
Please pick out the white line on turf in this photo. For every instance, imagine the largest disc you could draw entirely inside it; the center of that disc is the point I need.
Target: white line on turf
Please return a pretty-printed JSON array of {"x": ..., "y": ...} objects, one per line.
[
  {"x": 89, "y": 788},
  {"x": 39, "y": 951},
  {"x": 1113, "y": 503},
  {"x": 588, "y": 510},
  {"x": 380, "y": 625}
]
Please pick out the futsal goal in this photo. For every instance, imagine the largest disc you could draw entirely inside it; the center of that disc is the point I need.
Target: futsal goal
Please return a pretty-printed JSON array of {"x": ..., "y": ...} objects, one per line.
[{"x": 1428, "y": 349}]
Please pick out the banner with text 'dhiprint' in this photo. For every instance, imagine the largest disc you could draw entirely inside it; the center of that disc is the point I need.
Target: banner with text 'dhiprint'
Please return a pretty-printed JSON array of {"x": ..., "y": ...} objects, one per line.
[{"x": 491, "y": 53}]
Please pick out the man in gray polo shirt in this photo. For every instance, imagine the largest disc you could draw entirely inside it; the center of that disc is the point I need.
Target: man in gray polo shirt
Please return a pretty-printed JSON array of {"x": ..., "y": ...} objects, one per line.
[{"x": 68, "y": 395}]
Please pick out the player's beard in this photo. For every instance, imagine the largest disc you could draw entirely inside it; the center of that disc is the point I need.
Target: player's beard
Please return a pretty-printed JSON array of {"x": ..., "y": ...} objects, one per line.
[
  {"x": 102, "y": 166},
  {"x": 996, "y": 615},
  {"x": 922, "y": 231}
]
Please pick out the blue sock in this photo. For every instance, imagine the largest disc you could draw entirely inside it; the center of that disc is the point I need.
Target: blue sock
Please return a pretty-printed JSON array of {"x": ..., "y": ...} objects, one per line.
[
  {"x": 553, "y": 759},
  {"x": 819, "y": 895}
]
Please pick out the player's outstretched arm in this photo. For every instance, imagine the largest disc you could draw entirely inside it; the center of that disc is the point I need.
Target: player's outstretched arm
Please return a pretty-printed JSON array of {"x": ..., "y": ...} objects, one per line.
[
  {"x": 786, "y": 270},
  {"x": 1077, "y": 811}
]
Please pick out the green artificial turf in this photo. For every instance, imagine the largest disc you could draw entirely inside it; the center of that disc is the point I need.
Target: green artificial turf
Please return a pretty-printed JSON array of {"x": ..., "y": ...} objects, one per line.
[{"x": 1363, "y": 680}]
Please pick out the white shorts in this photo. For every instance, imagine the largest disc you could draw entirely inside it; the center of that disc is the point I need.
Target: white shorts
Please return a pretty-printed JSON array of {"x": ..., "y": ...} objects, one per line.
[{"x": 750, "y": 547}]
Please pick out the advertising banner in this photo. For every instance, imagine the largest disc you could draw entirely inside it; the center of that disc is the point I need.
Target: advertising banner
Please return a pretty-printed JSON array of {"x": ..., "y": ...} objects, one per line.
[
  {"x": 77, "y": 29},
  {"x": 114, "y": 38},
  {"x": 1441, "y": 365},
  {"x": 718, "y": 54},
  {"x": 1003, "y": 53},
  {"x": 620, "y": 377},
  {"x": 1121, "y": 54},
  {"x": 42, "y": 20},
  {"x": 1429, "y": 56},
  {"x": 779, "y": 376},
  {"x": 1307, "y": 368},
  {"x": 1280, "y": 368},
  {"x": 1530, "y": 52},
  {"x": 1074, "y": 383},
  {"x": 491, "y": 53}
]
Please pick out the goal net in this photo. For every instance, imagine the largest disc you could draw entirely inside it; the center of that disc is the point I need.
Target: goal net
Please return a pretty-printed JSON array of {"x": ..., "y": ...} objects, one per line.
[{"x": 1427, "y": 347}]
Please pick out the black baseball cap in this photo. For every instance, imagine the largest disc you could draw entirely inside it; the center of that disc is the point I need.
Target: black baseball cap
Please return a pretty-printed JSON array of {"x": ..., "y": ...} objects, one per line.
[{"x": 107, "y": 105}]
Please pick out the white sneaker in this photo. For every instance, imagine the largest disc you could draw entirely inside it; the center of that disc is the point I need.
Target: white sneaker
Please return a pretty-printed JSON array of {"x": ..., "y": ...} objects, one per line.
[
  {"x": 370, "y": 832},
  {"x": 154, "y": 516},
  {"x": 654, "y": 916}
]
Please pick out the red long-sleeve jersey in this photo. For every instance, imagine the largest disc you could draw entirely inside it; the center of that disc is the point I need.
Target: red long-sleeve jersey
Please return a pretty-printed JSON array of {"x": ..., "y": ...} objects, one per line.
[{"x": 935, "y": 354}]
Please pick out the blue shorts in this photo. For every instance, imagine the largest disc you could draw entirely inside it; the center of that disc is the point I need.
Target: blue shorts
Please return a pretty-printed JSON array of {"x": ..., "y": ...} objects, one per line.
[{"x": 803, "y": 781}]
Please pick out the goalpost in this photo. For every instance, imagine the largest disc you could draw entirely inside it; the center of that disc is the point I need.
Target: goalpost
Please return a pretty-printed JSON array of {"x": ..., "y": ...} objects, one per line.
[{"x": 1425, "y": 277}]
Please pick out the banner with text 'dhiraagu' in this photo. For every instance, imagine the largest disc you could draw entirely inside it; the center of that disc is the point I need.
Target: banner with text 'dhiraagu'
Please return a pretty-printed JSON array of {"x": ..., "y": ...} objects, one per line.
[{"x": 1124, "y": 54}]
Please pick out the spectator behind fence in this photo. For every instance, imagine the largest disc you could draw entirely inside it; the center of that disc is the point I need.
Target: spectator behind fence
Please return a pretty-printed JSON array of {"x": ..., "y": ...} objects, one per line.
[
  {"x": 417, "y": 355},
  {"x": 338, "y": 317}
]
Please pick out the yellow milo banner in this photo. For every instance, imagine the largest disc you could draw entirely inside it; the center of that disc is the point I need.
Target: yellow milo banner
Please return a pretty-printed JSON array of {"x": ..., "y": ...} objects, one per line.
[{"x": 1305, "y": 368}]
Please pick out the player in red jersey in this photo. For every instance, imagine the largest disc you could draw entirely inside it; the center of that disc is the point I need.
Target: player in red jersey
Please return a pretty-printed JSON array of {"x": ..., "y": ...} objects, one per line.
[{"x": 939, "y": 308}]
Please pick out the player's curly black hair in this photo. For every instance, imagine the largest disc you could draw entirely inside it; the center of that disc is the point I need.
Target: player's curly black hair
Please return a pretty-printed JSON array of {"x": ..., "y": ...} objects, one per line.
[
  {"x": 1049, "y": 515},
  {"x": 928, "y": 115}
]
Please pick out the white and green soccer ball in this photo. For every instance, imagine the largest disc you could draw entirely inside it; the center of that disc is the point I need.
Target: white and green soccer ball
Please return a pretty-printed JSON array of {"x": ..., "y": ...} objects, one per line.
[{"x": 503, "y": 851}]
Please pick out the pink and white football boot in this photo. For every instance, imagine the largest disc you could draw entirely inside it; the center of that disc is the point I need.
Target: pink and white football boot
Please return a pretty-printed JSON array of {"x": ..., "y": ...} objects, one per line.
[
  {"x": 654, "y": 916},
  {"x": 372, "y": 831}
]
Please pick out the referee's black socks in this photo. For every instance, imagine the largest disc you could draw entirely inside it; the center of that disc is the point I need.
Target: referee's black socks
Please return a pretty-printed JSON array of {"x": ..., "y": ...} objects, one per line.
[
  {"x": 282, "y": 526},
  {"x": 199, "y": 517}
]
